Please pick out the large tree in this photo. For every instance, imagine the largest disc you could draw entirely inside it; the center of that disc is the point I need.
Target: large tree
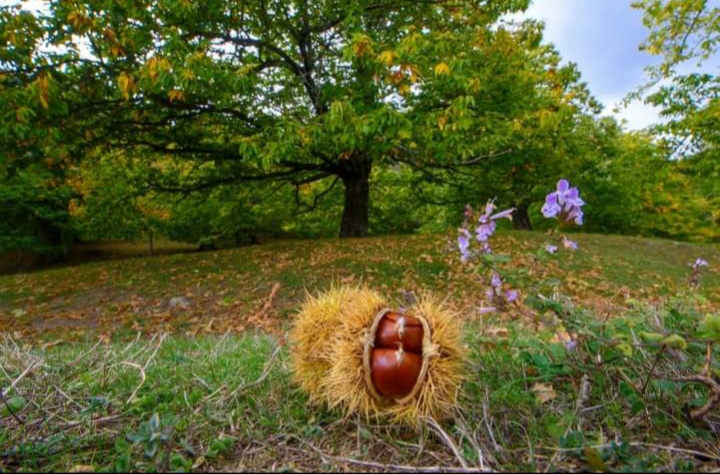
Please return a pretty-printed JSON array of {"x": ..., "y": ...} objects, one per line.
[{"x": 222, "y": 92}]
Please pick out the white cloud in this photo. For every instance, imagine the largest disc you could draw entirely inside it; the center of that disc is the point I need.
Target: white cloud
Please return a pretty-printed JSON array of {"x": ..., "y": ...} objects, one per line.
[{"x": 602, "y": 38}]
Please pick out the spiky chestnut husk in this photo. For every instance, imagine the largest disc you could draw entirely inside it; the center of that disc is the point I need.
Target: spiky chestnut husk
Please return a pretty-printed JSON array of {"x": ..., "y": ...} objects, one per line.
[{"x": 333, "y": 332}]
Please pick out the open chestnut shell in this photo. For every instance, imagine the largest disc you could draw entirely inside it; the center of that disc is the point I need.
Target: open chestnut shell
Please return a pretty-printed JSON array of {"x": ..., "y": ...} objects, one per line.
[
  {"x": 397, "y": 357},
  {"x": 396, "y": 328}
]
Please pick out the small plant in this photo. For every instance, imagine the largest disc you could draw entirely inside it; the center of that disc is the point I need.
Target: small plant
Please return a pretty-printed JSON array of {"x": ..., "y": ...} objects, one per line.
[
  {"x": 496, "y": 297},
  {"x": 152, "y": 436},
  {"x": 695, "y": 272}
]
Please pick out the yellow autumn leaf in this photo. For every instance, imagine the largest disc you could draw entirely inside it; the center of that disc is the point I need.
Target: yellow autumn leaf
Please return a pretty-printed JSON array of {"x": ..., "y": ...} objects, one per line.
[
  {"x": 126, "y": 84},
  {"x": 362, "y": 46},
  {"x": 387, "y": 57},
  {"x": 175, "y": 95},
  {"x": 109, "y": 35},
  {"x": 187, "y": 74},
  {"x": 441, "y": 69},
  {"x": 77, "y": 19},
  {"x": 442, "y": 121},
  {"x": 412, "y": 71},
  {"x": 116, "y": 51},
  {"x": 43, "y": 89},
  {"x": 544, "y": 392}
]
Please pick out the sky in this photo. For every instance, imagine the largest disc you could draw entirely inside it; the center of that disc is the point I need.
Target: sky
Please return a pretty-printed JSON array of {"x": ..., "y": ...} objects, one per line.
[{"x": 603, "y": 38}]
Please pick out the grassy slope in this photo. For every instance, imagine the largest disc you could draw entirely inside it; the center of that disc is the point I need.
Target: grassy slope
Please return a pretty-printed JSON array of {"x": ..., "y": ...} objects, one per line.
[
  {"x": 80, "y": 409},
  {"x": 227, "y": 288}
]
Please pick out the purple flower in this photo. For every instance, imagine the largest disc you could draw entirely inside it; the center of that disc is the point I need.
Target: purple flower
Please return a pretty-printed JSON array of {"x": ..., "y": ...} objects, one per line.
[
  {"x": 464, "y": 245},
  {"x": 566, "y": 201},
  {"x": 511, "y": 295},
  {"x": 570, "y": 345},
  {"x": 700, "y": 263},
  {"x": 487, "y": 310},
  {"x": 551, "y": 207},
  {"x": 569, "y": 244},
  {"x": 485, "y": 231},
  {"x": 495, "y": 281},
  {"x": 507, "y": 213},
  {"x": 551, "y": 248}
]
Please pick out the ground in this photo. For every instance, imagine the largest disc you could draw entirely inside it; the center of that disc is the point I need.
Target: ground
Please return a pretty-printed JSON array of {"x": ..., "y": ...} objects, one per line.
[
  {"x": 227, "y": 290},
  {"x": 178, "y": 362}
]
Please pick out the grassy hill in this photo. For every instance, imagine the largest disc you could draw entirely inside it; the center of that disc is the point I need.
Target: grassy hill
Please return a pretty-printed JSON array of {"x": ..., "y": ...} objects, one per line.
[
  {"x": 226, "y": 290},
  {"x": 177, "y": 362}
]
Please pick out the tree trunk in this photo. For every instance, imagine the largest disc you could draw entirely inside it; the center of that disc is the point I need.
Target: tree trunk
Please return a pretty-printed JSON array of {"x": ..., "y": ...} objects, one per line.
[
  {"x": 356, "y": 212},
  {"x": 521, "y": 218},
  {"x": 151, "y": 243}
]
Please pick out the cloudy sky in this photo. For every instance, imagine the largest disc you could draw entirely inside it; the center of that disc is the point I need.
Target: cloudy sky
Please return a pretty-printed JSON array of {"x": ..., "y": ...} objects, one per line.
[{"x": 602, "y": 37}]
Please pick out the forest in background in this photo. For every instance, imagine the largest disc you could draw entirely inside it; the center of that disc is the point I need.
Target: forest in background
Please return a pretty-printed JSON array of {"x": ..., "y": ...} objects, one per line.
[{"x": 225, "y": 123}]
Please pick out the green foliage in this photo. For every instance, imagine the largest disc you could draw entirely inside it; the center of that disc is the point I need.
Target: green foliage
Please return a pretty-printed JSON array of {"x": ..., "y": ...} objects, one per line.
[
  {"x": 710, "y": 328},
  {"x": 12, "y": 406},
  {"x": 687, "y": 33}
]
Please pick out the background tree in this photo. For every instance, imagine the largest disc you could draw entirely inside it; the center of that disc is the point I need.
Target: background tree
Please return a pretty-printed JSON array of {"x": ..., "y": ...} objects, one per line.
[
  {"x": 686, "y": 34},
  {"x": 34, "y": 154},
  {"x": 285, "y": 90}
]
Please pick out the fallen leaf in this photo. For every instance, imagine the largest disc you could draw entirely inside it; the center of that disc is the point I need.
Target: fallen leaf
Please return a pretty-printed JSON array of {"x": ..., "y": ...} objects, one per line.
[
  {"x": 544, "y": 392},
  {"x": 497, "y": 332}
]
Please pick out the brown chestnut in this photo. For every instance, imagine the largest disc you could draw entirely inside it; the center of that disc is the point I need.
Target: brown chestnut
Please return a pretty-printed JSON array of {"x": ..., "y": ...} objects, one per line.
[
  {"x": 396, "y": 328},
  {"x": 394, "y": 372}
]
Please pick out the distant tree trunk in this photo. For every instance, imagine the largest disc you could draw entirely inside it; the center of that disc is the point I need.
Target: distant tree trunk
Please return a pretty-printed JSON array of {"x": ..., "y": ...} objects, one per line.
[
  {"x": 521, "y": 218},
  {"x": 151, "y": 243},
  {"x": 356, "y": 211}
]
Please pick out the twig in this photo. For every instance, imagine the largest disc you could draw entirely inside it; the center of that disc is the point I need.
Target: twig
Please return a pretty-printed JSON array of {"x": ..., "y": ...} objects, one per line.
[
  {"x": 708, "y": 360},
  {"x": 144, "y": 368},
  {"x": 268, "y": 303},
  {"x": 446, "y": 439},
  {"x": 714, "y": 387},
  {"x": 390, "y": 467},
  {"x": 84, "y": 354},
  {"x": 17, "y": 380},
  {"x": 640, "y": 445},
  {"x": 97, "y": 421},
  {"x": 486, "y": 403},
  {"x": 142, "y": 378},
  {"x": 652, "y": 369},
  {"x": 263, "y": 376},
  {"x": 9, "y": 408},
  {"x": 3, "y": 393},
  {"x": 584, "y": 395},
  {"x": 68, "y": 398}
]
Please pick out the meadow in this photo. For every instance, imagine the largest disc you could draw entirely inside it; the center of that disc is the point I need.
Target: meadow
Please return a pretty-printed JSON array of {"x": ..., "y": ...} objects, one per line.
[{"x": 179, "y": 362}]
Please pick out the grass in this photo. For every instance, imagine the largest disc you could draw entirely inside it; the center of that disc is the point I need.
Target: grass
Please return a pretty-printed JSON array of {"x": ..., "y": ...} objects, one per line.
[
  {"x": 103, "y": 375},
  {"x": 125, "y": 296}
]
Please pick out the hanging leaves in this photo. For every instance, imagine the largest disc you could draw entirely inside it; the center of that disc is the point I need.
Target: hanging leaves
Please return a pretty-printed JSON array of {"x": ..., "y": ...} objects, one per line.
[
  {"x": 43, "y": 89},
  {"x": 176, "y": 95},
  {"x": 442, "y": 69},
  {"x": 387, "y": 57},
  {"x": 126, "y": 83}
]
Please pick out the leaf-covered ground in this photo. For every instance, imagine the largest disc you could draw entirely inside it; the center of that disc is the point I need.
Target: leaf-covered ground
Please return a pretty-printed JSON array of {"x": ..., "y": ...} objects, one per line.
[
  {"x": 177, "y": 362},
  {"x": 261, "y": 286}
]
